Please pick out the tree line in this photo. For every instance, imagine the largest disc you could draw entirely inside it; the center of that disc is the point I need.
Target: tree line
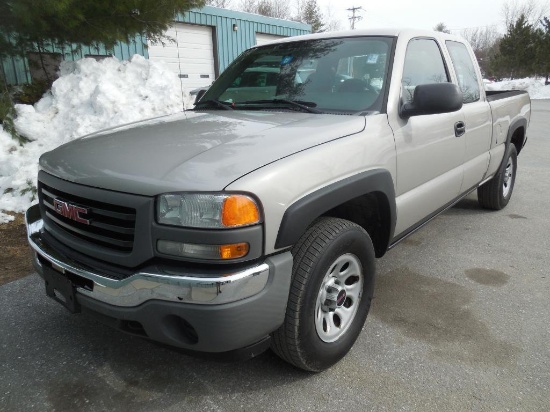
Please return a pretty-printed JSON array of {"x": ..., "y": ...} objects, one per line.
[
  {"x": 523, "y": 51},
  {"x": 70, "y": 24},
  {"x": 305, "y": 11}
]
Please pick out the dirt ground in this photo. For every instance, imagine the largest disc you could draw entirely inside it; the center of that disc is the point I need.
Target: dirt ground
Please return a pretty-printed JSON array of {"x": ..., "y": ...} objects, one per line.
[{"x": 15, "y": 253}]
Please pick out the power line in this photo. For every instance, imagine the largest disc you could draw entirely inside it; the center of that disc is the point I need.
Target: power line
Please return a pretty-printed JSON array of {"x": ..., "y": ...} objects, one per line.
[{"x": 353, "y": 18}]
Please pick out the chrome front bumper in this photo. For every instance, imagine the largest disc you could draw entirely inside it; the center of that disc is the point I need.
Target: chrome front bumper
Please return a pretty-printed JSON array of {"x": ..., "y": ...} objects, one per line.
[{"x": 152, "y": 283}]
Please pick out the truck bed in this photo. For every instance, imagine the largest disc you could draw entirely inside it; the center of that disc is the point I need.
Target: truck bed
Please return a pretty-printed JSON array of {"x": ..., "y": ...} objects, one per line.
[{"x": 493, "y": 95}]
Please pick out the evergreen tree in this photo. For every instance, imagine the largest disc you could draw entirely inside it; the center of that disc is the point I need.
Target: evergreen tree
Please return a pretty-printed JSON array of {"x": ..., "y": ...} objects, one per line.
[
  {"x": 442, "y": 27},
  {"x": 312, "y": 15},
  {"x": 518, "y": 49},
  {"x": 543, "y": 49},
  {"x": 31, "y": 24}
]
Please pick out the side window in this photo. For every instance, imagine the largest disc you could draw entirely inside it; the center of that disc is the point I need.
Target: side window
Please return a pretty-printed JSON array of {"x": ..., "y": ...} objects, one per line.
[
  {"x": 423, "y": 65},
  {"x": 465, "y": 71}
]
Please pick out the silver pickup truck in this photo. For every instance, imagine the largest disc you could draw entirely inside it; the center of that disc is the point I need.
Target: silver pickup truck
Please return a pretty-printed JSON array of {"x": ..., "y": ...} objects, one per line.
[{"x": 254, "y": 220}]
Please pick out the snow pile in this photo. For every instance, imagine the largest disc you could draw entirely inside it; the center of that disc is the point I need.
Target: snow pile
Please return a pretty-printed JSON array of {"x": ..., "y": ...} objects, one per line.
[
  {"x": 535, "y": 87},
  {"x": 88, "y": 96}
]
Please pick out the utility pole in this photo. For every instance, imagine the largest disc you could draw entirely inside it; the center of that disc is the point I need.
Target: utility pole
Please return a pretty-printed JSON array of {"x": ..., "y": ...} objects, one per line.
[{"x": 353, "y": 18}]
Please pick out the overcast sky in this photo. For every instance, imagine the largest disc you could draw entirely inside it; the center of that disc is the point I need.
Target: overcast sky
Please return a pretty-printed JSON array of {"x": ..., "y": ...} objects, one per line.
[{"x": 422, "y": 14}]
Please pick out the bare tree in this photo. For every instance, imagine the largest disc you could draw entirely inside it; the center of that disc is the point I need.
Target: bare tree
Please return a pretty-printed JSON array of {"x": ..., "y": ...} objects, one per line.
[
  {"x": 484, "y": 42},
  {"x": 279, "y": 9},
  {"x": 533, "y": 10},
  {"x": 481, "y": 38},
  {"x": 224, "y": 4},
  {"x": 249, "y": 6},
  {"x": 331, "y": 21},
  {"x": 282, "y": 9}
]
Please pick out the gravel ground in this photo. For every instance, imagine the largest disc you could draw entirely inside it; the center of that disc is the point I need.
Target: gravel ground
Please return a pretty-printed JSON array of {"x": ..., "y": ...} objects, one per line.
[
  {"x": 15, "y": 253},
  {"x": 459, "y": 322}
]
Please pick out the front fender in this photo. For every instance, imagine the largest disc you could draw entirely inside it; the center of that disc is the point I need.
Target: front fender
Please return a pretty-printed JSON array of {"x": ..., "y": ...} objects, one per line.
[{"x": 304, "y": 211}]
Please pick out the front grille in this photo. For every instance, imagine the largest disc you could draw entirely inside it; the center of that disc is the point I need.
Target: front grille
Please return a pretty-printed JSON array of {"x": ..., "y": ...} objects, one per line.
[{"x": 110, "y": 226}]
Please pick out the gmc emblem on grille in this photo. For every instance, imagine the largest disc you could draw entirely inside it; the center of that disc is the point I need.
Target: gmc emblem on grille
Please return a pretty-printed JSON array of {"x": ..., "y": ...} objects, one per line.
[{"x": 70, "y": 211}]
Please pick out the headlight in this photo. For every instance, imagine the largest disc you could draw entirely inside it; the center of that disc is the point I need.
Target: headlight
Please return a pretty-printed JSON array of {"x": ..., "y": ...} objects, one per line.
[{"x": 207, "y": 211}]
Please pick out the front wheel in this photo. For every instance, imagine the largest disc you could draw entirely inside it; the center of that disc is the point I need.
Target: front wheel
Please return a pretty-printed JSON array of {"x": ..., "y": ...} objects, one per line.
[
  {"x": 496, "y": 193},
  {"x": 330, "y": 295}
]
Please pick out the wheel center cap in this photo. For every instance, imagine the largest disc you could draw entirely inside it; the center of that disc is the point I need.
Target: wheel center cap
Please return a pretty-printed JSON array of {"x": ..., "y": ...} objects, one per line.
[{"x": 335, "y": 297}]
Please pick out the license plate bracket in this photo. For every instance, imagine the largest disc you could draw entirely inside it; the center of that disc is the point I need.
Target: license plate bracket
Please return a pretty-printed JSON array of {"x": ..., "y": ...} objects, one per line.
[{"x": 60, "y": 288}]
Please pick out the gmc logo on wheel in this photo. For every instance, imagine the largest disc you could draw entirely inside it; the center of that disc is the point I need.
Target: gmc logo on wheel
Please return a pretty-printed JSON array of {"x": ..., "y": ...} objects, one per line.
[{"x": 70, "y": 211}]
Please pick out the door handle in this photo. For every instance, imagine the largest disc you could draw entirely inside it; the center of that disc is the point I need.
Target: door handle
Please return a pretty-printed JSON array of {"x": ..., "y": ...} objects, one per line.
[{"x": 460, "y": 128}]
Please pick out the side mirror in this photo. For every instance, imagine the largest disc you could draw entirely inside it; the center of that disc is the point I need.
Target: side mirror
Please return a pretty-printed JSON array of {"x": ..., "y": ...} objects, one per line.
[
  {"x": 433, "y": 99},
  {"x": 200, "y": 93}
]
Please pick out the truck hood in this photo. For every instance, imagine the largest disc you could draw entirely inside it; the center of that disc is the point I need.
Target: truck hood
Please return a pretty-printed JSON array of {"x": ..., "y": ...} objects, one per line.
[{"x": 190, "y": 151}]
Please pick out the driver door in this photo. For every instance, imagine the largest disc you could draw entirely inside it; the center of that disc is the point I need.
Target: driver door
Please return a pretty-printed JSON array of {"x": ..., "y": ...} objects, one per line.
[{"x": 429, "y": 153}]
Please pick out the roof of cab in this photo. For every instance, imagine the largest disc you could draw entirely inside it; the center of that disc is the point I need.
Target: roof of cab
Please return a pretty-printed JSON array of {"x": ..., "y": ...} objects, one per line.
[{"x": 390, "y": 32}]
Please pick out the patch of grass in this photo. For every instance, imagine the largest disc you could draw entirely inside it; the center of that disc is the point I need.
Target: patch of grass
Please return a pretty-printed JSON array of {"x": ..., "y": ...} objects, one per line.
[{"x": 15, "y": 253}]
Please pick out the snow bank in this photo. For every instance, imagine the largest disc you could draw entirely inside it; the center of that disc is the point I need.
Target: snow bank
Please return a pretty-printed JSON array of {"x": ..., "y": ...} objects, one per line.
[
  {"x": 535, "y": 87},
  {"x": 88, "y": 96}
]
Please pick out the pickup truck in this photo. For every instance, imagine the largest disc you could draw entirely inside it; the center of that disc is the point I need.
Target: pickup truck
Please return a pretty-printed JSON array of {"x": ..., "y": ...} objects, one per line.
[{"x": 254, "y": 219}]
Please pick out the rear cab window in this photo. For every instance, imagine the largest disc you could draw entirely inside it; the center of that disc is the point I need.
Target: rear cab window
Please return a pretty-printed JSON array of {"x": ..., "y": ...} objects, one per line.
[{"x": 465, "y": 71}]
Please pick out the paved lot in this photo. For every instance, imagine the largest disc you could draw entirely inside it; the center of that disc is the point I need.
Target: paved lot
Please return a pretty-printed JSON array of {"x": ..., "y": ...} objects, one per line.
[{"x": 460, "y": 322}]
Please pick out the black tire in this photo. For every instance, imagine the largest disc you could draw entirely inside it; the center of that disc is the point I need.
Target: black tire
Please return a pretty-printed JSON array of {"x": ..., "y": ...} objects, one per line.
[
  {"x": 496, "y": 193},
  {"x": 327, "y": 243}
]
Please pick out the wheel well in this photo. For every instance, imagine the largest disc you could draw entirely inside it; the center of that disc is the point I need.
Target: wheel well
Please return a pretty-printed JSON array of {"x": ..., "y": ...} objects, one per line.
[
  {"x": 518, "y": 138},
  {"x": 372, "y": 212}
]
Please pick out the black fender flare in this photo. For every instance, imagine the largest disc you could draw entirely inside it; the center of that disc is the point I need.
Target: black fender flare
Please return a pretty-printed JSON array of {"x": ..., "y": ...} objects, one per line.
[
  {"x": 299, "y": 216},
  {"x": 515, "y": 125}
]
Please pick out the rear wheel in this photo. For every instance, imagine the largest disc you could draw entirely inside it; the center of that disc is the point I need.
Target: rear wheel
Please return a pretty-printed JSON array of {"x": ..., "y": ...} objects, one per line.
[
  {"x": 496, "y": 193},
  {"x": 330, "y": 296}
]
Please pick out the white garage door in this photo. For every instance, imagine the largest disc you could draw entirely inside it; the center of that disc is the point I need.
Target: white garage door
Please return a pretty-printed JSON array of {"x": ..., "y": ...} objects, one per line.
[
  {"x": 262, "y": 38},
  {"x": 191, "y": 56}
]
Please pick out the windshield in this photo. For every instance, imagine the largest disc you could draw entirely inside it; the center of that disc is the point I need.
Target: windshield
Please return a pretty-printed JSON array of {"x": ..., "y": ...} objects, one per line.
[{"x": 326, "y": 75}]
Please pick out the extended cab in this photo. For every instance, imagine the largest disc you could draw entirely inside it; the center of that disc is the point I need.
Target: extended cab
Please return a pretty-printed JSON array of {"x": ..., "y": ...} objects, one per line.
[{"x": 254, "y": 220}]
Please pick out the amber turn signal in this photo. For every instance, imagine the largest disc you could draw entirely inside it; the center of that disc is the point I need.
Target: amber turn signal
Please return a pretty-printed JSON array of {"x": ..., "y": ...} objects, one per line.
[
  {"x": 239, "y": 210},
  {"x": 234, "y": 251}
]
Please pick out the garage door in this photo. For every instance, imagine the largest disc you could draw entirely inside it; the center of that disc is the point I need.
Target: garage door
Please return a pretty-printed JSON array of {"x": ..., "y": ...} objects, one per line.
[
  {"x": 191, "y": 56},
  {"x": 262, "y": 38}
]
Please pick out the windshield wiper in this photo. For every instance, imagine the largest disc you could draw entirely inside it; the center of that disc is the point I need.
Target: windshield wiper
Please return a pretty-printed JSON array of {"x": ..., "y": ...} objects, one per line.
[
  {"x": 217, "y": 103},
  {"x": 305, "y": 106}
]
